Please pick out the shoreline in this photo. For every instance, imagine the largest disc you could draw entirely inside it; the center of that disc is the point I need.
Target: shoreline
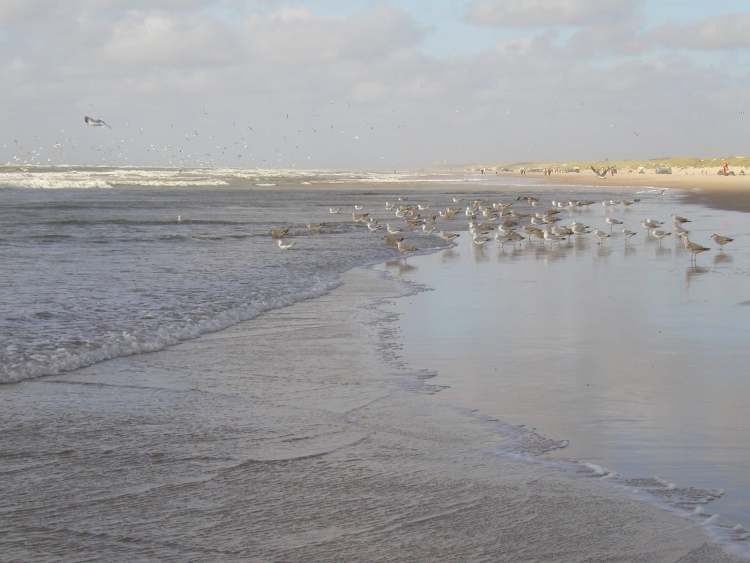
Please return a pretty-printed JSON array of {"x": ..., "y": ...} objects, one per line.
[{"x": 356, "y": 427}]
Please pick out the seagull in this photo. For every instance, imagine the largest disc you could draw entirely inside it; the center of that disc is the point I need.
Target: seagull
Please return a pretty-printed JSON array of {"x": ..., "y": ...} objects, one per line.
[
  {"x": 678, "y": 219},
  {"x": 658, "y": 235},
  {"x": 279, "y": 233},
  {"x": 612, "y": 222},
  {"x": 373, "y": 227},
  {"x": 448, "y": 236},
  {"x": 601, "y": 235},
  {"x": 694, "y": 247},
  {"x": 679, "y": 229},
  {"x": 579, "y": 229},
  {"x": 601, "y": 173},
  {"x": 358, "y": 208},
  {"x": 179, "y": 218},
  {"x": 313, "y": 227},
  {"x": 283, "y": 245},
  {"x": 391, "y": 230},
  {"x": 628, "y": 234},
  {"x": 480, "y": 241},
  {"x": 404, "y": 247},
  {"x": 650, "y": 224},
  {"x": 334, "y": 210},
  {"x": 721, "y": 240},
  {"x": 93, "y": 122}
]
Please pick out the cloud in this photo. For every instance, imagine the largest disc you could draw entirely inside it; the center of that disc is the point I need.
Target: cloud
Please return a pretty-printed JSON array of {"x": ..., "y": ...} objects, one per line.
[
  {"x": 296, "y": 36},
  {"x": 159, "y": 70},
  {"x": 165, "y": 39},
  {"x": 727, "y": 31},
  {"x": 543, "y": 13}
]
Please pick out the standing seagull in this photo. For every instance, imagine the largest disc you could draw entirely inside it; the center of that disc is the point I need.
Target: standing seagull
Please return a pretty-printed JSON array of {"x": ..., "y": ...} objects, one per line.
[
  {"x": 612, "y": 222},
  {"x": 601, "y": 235},
  {"x": 93, "y": 122},
  {"x": 284, "y": 246},
  {"x": 721, "y": 240},
  {"x": 693, "y": 247},
  {"x": 628, "y": 234},
  {"x": 659, "y": 234}
]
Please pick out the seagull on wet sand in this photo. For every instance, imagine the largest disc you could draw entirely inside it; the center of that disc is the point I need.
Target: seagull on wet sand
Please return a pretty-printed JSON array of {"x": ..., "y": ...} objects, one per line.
[
  {"x": 693, "y": 247},
  {"x": 93, "y": 122},
  {"x": 721, "y": 240},
  {"x": 659, "y": 234},
  {"x": 601, "y": 235},
  {"x": 611, "y": 221},
  {"x": 448, "y": 236},
  {"x": 405, "y": 247},
  {"x": 283, "y": 245},
  {"x": 334, "y": 210}
]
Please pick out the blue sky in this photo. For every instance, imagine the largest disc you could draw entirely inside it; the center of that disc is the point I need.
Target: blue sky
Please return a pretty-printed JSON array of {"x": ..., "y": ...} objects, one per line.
[{"x": 371, "y": 83}]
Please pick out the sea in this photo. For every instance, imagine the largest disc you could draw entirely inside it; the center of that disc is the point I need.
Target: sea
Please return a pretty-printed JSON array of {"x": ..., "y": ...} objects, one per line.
[{"x": 154, "y": 339}]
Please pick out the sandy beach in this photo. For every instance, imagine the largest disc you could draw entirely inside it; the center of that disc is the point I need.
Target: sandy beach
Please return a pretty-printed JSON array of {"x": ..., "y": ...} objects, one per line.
[{"x": 699, "y": 186}]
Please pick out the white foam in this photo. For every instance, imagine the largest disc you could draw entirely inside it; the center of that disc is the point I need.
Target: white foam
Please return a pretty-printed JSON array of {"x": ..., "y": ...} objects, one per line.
[{"x": 128, "y": 344}]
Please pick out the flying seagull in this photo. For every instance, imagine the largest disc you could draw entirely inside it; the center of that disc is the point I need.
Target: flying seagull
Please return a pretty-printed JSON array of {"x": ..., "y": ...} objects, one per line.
[
  {"x": 601, "y": 173},
  {"x": 93, "y": 122}
]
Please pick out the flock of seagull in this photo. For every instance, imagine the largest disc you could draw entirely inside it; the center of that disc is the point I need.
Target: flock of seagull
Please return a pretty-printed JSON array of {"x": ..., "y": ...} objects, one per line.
[{"x": 508, "y": 224}]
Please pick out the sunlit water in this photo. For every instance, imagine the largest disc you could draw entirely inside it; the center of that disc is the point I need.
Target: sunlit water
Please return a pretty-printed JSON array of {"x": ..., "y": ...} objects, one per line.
[{"x": 631, "y": 353}]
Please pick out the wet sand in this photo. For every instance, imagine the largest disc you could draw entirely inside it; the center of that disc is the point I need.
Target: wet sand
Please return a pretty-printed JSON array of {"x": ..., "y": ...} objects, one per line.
[
  {"x": 302, "y": 435},
  {"x": 633, "y": 354}
]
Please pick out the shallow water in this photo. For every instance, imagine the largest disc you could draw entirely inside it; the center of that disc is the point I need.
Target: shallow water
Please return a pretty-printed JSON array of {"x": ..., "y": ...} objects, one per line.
[
  {"x": 317, "y": 431},
  {"x": 635, "y": 356}
]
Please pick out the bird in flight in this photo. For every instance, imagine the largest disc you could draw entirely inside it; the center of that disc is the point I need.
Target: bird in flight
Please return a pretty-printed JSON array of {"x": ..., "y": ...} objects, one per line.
[{"x": 602, "y": 173}]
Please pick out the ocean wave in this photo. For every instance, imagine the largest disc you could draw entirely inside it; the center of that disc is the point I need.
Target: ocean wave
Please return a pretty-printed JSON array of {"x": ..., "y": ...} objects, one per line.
[
  {"x": 16, "y": 366},
  {"x": 62, "y": 177}
]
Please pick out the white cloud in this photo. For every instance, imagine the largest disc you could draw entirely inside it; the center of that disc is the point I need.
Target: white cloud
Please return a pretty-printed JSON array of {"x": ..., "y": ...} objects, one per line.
[
  {"x": 163, "y": 39},
  {"x": 296, "y": 36},
  {"x": 542, "y": 13},
  {"x": 727, "y": 31},
  {"x": 538, "y": 93}
]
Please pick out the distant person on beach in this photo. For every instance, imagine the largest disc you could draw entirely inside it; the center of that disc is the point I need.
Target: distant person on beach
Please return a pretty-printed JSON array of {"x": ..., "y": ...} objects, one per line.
[{"x": 725, "y": 167}]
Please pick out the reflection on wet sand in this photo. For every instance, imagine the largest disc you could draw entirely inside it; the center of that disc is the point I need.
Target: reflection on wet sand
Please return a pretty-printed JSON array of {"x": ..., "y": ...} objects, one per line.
[
  {"x": 449, "y": 255},
  {"x": 723, "y": 258},
  {"x": 694, "y": 271},
  {"x": 401, "y": 266}
]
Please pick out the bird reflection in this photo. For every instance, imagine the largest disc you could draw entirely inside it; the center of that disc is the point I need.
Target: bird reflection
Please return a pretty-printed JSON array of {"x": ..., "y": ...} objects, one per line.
[
  {"x": 401, "y": 266},
  {"x": 692, "y": 272},
  {"x": 449, "y": 255},
  {"x": 479, "y": 254},
  {"x": 723, "y": 258}
]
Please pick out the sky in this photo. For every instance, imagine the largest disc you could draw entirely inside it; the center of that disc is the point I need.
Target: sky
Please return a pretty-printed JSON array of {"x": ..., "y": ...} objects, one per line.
[{"x": 370, "y": 84}]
